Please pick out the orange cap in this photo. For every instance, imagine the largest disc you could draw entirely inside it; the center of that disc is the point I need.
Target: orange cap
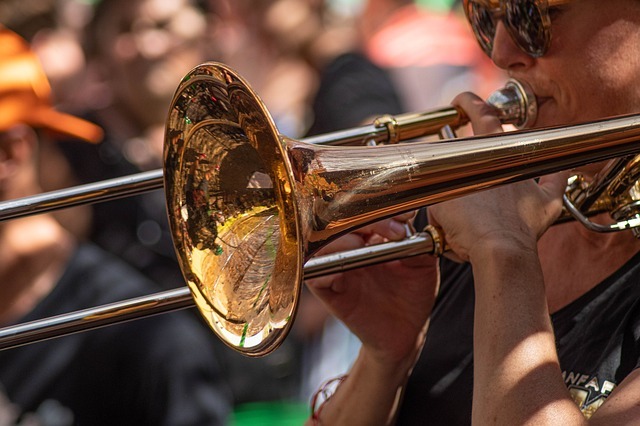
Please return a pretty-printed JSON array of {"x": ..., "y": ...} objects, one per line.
[{"x": 25, "y": 93}]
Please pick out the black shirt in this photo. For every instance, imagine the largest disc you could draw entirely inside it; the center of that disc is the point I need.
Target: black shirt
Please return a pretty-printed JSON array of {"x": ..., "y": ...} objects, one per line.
[
  {"x": 597, "y": 338},
  {"x": 153, "y": 371},
  {"x": 352, "y": 89}
]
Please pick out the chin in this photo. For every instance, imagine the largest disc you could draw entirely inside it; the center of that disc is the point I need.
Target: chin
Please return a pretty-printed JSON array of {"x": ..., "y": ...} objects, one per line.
[{"x": 553, "y": 117}]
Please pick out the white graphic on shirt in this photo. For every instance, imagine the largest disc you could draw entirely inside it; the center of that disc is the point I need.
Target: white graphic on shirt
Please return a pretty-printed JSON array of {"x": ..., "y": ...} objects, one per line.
[{"x": 587, "y": 391}]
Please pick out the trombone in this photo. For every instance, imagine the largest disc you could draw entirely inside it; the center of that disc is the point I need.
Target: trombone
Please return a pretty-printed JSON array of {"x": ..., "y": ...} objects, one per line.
[{"x": 249, "y": 207}]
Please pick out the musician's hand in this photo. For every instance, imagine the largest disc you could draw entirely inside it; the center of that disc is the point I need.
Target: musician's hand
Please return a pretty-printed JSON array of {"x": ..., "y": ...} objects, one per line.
[
  {"x": 515, "y": 214},
  {"x": 386, "y": 305}
]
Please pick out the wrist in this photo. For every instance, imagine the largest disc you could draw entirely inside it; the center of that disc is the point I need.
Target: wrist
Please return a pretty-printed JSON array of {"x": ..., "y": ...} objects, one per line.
[
  {"x": 393, "y": 371},
  {"x": 322, "y": 396},
  {"x": 369, "y": 395},
  {"x": 509, "y": 245}
]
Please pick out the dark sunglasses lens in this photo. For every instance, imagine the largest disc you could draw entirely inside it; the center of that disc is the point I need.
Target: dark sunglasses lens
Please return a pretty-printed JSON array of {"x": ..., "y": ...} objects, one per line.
[
  {"x": 483, "y": 25},
  {"x": 525, "y": 23}
]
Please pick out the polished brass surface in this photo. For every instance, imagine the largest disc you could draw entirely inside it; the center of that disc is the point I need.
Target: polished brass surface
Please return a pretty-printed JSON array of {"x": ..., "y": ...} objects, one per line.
[
  {"x": 515, "y": 104},
  {"x": 248, "y": 206},
  {"x": 236, "y": 191},
  {"x": 234, "y": 226},
  {"x": 615, "y": 189}
]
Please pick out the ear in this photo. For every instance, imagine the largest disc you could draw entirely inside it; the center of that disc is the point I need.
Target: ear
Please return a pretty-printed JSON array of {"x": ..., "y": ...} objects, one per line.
[{"x": 17, "y": 150}]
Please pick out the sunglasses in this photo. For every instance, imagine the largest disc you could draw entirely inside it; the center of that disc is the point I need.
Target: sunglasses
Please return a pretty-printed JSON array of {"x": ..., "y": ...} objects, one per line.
[{"x": 527, "y": 22}]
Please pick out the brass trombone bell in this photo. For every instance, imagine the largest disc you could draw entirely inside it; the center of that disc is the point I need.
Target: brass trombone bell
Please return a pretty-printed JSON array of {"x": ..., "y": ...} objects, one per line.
[{"x": 248, "y": 206}]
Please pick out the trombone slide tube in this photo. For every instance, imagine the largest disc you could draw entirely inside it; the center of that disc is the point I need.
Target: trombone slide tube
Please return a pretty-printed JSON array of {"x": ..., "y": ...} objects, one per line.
[
  {"x": 92, "y": 318},
  {"x": 180, "y": 298},
  {"x": 139, "y": 183},
  {"x": 105, "y": 190},
  {"x": 393, "y": 179},
  {"x": 421, "y": 243}
]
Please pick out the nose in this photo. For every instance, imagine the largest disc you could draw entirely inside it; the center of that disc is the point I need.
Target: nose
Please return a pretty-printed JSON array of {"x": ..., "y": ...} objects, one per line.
[{"x": 506, "y": 54}]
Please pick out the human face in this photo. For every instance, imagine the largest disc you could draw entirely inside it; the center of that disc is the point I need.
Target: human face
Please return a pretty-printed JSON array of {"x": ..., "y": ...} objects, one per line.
[
  {"x": 149, "y": 45},
  {"x": 590, "y": 66}
]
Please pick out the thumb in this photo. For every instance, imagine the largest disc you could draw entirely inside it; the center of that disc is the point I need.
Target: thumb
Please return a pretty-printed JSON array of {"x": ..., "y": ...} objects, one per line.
[
  {"x": 555, "y": 184},
  {"x": 553, "y": 187}
]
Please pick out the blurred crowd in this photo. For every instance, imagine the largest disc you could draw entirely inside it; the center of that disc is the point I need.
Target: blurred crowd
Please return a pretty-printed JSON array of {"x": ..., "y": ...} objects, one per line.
[{"x": 318, "y": 65}]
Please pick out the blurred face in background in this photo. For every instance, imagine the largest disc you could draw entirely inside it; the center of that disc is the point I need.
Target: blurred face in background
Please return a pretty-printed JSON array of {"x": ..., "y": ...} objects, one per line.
[{"x": 146, "y": 47}]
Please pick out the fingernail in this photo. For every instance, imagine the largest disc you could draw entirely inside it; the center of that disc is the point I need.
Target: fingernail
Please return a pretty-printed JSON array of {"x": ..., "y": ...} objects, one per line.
[{"x": 398, "y": 229}]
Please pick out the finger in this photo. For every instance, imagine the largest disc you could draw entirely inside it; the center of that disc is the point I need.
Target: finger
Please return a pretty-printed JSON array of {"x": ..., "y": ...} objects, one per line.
[
  {"x": 317, "y": 285},
  {"x": 327, "y": 286},
  {"x": 484, "y": 117},
  {"x": 555, "y": 184},
  {"x": 406, "y": 217},
  {"x": 420, "y": 261},
  {"x": 393, "y": 229},
  {"x": 347, "y": 242}
]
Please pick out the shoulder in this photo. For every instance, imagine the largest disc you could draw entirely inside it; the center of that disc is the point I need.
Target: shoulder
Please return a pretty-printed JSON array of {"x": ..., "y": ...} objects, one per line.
[{"x": 351, "y": 61}]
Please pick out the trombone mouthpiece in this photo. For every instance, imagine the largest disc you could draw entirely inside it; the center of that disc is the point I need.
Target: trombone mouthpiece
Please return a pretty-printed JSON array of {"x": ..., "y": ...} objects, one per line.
[{"x": 516, "y": 104}]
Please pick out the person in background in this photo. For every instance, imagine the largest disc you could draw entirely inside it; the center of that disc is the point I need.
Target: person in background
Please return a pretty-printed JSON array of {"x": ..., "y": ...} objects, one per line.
[
  {"x": 53, "y": 29},
  {"x": 136, "y": 54},
  {"x": 539, "y": 324},
  {"x": 154, "y": 371},
  {"x": 428, "y": 50}
]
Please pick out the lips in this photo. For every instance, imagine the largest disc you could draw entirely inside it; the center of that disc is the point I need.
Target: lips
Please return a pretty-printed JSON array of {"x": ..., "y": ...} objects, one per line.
[
  {"x": 547, "y": 116},
  {"x": 541, "y": 101}
]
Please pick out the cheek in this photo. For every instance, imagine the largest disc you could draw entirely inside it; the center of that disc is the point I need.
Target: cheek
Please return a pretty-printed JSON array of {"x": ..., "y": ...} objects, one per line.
[{"x": 610, "y": 69}]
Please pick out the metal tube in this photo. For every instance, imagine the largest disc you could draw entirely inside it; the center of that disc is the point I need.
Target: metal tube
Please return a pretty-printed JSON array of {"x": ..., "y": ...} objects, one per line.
[
  {"x": 180, "y": 298},
  {"x": 105, "y": 190},
  {"x": 139, "y": 183},
  {"x": 92, "y": 318}
]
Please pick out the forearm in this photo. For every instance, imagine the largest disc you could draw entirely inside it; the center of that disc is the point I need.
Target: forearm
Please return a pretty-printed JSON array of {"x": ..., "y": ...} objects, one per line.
[
  {"x": 517, "y": 378},
  {"x": 368, "y": 396}
]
